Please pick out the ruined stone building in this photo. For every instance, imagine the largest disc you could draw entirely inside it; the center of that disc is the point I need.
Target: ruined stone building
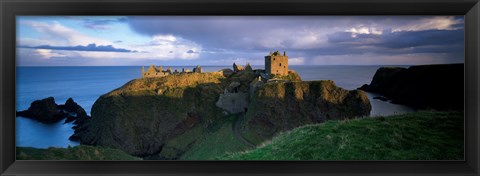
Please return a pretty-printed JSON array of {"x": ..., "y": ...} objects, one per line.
[
  {"x": 237, "y": 68},
  {"x": 276, "y": 64},
  {"x": 198, "y": 69},
  {"x": 154, "y": 71}
]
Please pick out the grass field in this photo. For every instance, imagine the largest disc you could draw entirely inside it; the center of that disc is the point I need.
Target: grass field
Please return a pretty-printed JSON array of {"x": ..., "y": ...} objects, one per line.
[
  {"x": 216, "y": 144},
  {"x": 414, "y": 136},
  {"x": 81, "y": 152},
  {"x": 205, "y": 144}
]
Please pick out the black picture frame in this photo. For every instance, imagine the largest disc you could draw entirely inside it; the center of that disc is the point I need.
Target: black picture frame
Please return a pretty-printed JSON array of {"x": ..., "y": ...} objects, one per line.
[{"x": 10, "y": 8}]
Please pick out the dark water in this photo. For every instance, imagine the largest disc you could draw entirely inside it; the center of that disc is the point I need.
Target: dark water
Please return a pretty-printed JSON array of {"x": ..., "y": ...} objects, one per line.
[{"x": 86, "y": 84}]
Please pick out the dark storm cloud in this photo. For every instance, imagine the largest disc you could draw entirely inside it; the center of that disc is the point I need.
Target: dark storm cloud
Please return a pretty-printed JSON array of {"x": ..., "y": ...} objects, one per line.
[
  {"x": 308, "y": 37},
  {"x": 102, "y": 23},
  {"x": 90, "y": 47},
  {"x": 429, "y": 41},
  {"x": 216, "y": 32},
  {"x": 402, "y": 39},
  {"x": 422, "y": 38},
  {"x": 351, "y": 38},
  {"x": 253, "y": 32}
]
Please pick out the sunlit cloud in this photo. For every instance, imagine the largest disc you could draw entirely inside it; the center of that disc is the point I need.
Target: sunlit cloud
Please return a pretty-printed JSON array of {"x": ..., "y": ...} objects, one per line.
[
  {"x": 47, "y": 54},
  {"x": 56, "y": 34},
  {"x": 434, "y": 23}
]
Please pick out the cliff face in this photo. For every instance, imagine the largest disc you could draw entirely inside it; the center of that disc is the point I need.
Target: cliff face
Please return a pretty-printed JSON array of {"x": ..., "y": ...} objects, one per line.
[
  {"x": 438, "y": 87},
  {"x": 163, "y": 118},
  {"x": 144, "y": 114},
  {"x": 282, "y": 106}
]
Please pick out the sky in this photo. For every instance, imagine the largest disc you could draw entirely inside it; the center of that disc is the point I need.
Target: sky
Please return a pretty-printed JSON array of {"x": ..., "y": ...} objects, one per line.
[{"x": 223, "y": 40}]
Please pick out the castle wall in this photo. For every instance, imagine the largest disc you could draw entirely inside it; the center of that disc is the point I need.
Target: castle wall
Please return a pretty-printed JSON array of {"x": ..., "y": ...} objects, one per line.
[
  {"x": 276, "y": 64},
  {"x": 159, "y": 72}
]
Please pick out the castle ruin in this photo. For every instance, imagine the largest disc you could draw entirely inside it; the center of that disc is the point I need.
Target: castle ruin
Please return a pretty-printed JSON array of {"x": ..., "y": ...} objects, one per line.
[
  {"x": 154, "y": 71},
  {"x": 276, "y": 64}
]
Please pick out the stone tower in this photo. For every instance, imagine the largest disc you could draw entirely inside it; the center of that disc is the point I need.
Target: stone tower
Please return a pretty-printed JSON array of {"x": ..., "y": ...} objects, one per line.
[{"x": 276, "y": 64}]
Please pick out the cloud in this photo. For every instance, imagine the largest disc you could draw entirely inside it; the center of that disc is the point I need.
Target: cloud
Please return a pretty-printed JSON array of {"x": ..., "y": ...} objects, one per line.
[
  {"x": 47, "y": 54},
  {"x": 292, "y": 33},
  {"x": 232, "y": 32},
  {"x": 89, "y": 47},
  {"x": 364, "y": 30},
  {"x": 433, "y": 23},
  {"x": 422, "y": 38},
  {"x": 168, "y": 47},
  {"x": 389, "y": 42},
  {"x": 56, "y": 34},
  {"x": 191, "y": 52},
  {"x": 98, "y": 22},
  {"x": 296, "y": 61},
  {"x": 224, "y": 39}
]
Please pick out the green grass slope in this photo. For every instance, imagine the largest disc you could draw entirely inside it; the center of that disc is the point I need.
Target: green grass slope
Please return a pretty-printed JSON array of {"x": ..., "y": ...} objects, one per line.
[
  {"x": 413, "y": 136},
  {"x": 81, "y": 152},
  {"x": 217, "y": 144},
  {"x": 202, "y": 143}
]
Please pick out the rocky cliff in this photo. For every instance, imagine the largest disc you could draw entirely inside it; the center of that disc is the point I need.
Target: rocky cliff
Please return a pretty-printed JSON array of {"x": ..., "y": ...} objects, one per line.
[
  {"x": 438, "y": 87},
  {"x": 282, "y": 106},
  {"x": 162, "y": 118},
  {"x": 144, "y": 114}
]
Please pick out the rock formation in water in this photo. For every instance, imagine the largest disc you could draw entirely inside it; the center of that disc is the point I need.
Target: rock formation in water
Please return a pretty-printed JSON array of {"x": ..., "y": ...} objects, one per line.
[
  {"x": 47, "y": 111},
  {"x": 438, "y": 87}
]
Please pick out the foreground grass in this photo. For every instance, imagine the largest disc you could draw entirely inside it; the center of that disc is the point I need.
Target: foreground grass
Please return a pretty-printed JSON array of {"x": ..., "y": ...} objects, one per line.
[
  {"x": 413, "y": 136},
  {"x": 81, "y": 152},
  {"x": 217, "y": 144},
  {"x": 204, "y": 144}
]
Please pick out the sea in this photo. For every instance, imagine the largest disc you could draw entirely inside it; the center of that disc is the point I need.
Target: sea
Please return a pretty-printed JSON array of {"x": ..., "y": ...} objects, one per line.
[{"x": 86, "y": 84}]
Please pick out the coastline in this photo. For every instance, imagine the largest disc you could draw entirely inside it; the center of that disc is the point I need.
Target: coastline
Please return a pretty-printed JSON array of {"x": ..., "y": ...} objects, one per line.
[{"x": 134, "y": 73}]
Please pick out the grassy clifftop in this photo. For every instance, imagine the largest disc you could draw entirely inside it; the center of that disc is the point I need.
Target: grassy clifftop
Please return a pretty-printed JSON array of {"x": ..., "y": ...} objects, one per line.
[{"x": 414, "y": 136}]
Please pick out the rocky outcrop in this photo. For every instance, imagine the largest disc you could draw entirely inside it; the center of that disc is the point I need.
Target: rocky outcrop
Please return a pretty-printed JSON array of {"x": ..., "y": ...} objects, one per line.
[
  {"x": 150, "y": 117},
  {"x": 44, "y": 110},
  {"x": 384, "y": 79},
  {"x": 47, "y": 111},
  {"x": 282, "y": 106},
  {"x": 438, "y": 87},
  {"x": 138, "y": 120},
  {"x": 233, "y": 102}
]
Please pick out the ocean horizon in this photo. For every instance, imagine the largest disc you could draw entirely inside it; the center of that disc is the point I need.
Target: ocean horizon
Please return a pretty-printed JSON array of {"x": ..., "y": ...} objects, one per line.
[{"x": 86, "y": 83}]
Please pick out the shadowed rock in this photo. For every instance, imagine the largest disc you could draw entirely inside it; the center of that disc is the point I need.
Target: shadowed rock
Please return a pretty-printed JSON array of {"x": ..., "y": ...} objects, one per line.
[
  {"x": 44, "y": 110},
  {"x": 439, "y": 87},
  {"x": 47, "y": 111},
  {"x": 282, "y": 106}
]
